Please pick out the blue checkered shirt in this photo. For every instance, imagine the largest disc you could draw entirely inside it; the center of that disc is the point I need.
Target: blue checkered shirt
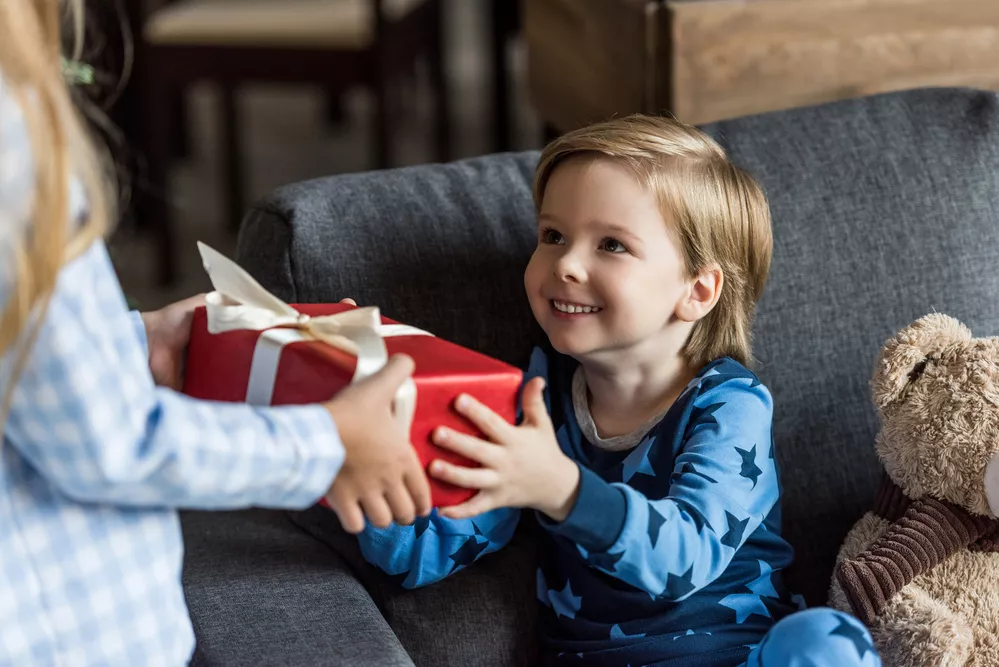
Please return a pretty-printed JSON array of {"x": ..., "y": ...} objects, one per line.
[{"x": 95, "y": 461}]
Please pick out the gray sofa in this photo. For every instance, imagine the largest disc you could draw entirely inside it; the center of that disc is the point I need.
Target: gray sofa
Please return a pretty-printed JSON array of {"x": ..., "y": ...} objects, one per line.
[{"x": 884, "y": 208}]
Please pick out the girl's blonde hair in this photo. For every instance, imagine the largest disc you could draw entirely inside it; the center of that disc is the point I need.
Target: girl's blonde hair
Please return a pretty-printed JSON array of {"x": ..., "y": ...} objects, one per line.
[
  {"x": 31, "y": 50},
  {"x": 716, "y": 211}
]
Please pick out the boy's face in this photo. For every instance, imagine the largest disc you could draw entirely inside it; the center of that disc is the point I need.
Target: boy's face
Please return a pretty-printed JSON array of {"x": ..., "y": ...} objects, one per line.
[{"x": 606, "y": 275}]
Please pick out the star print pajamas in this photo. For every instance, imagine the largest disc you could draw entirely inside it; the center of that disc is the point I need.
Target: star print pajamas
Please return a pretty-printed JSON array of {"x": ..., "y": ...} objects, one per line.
[{"x": 672, "y": 553}]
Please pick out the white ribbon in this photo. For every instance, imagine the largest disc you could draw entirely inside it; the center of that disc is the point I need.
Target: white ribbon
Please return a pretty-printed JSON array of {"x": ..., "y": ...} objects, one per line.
[{"x": 240, "y": 302}]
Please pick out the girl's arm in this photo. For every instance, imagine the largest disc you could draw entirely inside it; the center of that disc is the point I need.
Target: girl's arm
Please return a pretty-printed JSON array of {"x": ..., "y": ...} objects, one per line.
[{"x": 86, "y": 414}]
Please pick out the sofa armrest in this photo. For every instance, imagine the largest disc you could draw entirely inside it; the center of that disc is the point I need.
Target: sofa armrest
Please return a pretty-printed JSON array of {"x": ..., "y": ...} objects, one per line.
[{"x": 261, "y": 592}]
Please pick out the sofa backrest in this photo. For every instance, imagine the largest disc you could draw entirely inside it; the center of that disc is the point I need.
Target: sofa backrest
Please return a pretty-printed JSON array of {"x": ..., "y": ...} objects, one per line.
[{"x": 884, "y": 208}]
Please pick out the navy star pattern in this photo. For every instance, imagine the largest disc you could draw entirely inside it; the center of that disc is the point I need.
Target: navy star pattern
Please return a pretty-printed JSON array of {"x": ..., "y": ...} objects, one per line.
[
  {"x": 749, "y": 468},
  {"x": 705, "y": 416},
  {"x": 678, "y": 586},
  {"x": 617, "y": 633},
  {"x": 468, "y": 551},
  {"x": 745, "y": 605},
  {"x": 637, "y": 462},
  {"x": 763, "y": 585},
  {"x": 604, "y": 561},
  {"x": 736, "y": 527},
  {"x": 421, "y": 525},
  {"x": 564, "y": 602},
  {"x": 856, "y": 635},
  {"x": 595, "y": 563}
]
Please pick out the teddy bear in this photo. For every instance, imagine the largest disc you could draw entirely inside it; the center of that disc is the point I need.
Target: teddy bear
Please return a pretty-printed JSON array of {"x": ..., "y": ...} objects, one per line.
[{"x": 921, "y": 569}]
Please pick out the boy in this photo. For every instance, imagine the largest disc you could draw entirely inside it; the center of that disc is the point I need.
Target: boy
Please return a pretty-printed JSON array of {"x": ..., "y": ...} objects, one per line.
[{"x": 645, "y": 446}]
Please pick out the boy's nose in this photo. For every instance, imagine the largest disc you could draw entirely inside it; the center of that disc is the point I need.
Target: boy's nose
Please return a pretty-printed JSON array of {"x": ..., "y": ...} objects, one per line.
[{"x": 569, "y": 268}]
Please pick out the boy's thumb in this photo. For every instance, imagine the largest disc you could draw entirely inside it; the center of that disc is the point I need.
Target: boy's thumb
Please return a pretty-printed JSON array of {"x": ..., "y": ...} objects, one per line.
[{"x": 534, "y": 400}]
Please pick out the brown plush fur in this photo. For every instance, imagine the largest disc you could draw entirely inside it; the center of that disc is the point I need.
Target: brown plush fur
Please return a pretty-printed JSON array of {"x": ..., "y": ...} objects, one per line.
[{"x": 937, "y": 392}]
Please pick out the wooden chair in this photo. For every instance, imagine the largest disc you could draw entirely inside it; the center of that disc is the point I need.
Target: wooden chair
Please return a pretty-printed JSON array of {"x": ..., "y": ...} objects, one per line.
[{"x": 335, "y": 44}]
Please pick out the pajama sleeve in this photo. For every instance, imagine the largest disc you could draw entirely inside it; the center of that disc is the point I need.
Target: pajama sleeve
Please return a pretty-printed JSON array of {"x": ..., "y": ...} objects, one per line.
[
  {"x": 434, "y": 546},
  {"x": 721, "y": 488}
]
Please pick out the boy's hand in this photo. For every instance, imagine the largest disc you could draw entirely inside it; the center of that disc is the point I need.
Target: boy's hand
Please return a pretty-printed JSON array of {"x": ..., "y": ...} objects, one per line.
[
  {"x": 168, "y": 331},
  {"x": 382, "y": 477},
  {"x": 523, "y": 466}
]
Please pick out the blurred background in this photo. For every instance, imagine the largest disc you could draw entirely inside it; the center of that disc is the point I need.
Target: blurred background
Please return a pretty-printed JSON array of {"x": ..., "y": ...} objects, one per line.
[
  {"x": 225, "y": 100},
  {"x": 293, "y": 116}
]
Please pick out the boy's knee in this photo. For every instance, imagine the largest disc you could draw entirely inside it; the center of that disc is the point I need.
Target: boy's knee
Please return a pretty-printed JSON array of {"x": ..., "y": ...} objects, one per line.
[{"x": 817, "y": 637}]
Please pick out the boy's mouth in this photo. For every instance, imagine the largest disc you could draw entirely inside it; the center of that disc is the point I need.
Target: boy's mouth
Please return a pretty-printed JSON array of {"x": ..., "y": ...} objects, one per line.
[{"x": 568, "y": 308}]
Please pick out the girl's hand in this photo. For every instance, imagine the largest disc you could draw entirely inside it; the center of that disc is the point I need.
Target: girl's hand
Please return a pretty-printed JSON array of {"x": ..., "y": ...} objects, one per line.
[
  {"x": 522, "y": 466},
  {"x": 168, "y": 331},
  {"x": 382, "y": 477}
]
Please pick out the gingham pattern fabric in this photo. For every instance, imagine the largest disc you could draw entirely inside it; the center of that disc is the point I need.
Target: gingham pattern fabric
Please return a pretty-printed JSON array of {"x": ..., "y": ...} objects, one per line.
[{"x": 95, "y": 459}]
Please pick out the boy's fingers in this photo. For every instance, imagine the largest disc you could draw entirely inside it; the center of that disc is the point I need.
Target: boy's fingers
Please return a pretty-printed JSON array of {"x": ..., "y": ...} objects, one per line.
[
  {"x": 348, "y": 301},
  {"x": 477, "y": 505},
  {"x": 377, "y": 510},
  {"x": 466, "y": 478},
  {"x": 495, "y": 427},
  {"x": 468, "y": 446}
]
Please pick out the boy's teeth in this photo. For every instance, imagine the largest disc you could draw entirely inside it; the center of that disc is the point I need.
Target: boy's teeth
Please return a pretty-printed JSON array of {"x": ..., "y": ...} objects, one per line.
[{"x": 573, "y": 309}]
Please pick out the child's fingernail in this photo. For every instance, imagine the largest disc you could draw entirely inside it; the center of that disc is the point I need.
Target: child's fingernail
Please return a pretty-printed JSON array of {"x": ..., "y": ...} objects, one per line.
[
  {"x": 441, "y": 435},
  {"x": 461, "y": 402}
]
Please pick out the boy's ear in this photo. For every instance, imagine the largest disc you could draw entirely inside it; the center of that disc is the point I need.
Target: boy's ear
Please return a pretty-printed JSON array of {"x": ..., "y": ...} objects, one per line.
[{"x": 702, "y": 294}]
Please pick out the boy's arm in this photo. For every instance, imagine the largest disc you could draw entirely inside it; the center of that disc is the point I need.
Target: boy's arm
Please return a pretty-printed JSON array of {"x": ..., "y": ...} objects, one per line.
[
  {"x": 434, "y": 546},
  {"x": 721, "y": 489}
]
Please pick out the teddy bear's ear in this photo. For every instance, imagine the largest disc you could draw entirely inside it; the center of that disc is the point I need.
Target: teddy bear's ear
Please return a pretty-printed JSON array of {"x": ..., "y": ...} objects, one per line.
[{"x": 905, "y": 357}]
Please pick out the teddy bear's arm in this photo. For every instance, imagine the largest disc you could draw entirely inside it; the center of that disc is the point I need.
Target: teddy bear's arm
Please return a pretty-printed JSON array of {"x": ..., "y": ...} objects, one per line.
[
  {"x": 929, "y": 532},
  {"x": 864, "y": 533}
]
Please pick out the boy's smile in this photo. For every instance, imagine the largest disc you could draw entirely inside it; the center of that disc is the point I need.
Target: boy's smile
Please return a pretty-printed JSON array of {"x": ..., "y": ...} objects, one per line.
[{"x": 568, "y": 309}]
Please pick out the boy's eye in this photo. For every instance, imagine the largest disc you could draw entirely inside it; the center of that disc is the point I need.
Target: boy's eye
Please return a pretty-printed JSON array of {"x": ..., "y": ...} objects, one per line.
[
  {"x": 551, "y": 236},
  {"x": 612, "y": 245}
]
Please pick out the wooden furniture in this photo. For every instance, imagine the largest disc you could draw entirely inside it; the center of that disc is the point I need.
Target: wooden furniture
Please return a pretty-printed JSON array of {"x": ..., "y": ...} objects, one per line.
[
  {"x": 334, "y": 44},
  {"x": 706, "y": 60}
]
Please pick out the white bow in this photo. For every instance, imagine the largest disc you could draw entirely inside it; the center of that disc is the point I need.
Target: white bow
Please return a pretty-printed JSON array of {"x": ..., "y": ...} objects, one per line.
[{"x": 240, "y": 302}]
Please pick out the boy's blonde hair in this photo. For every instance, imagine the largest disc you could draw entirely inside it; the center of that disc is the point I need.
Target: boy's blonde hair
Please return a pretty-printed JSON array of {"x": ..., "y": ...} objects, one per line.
[
  {"x": 31, "y": 43},
  {"x": 716, "y": 211}
]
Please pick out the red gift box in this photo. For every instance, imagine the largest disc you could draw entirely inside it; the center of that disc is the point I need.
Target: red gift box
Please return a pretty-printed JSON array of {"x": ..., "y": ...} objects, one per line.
[{"x": 292, "y": 367}]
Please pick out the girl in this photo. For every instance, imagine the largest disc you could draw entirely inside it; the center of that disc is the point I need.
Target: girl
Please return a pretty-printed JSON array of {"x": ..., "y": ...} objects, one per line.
[{"x": 95, "y": 457}]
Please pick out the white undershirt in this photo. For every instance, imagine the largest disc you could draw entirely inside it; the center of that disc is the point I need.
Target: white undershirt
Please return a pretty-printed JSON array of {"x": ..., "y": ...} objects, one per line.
[{"x": 618, "y": 443}]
